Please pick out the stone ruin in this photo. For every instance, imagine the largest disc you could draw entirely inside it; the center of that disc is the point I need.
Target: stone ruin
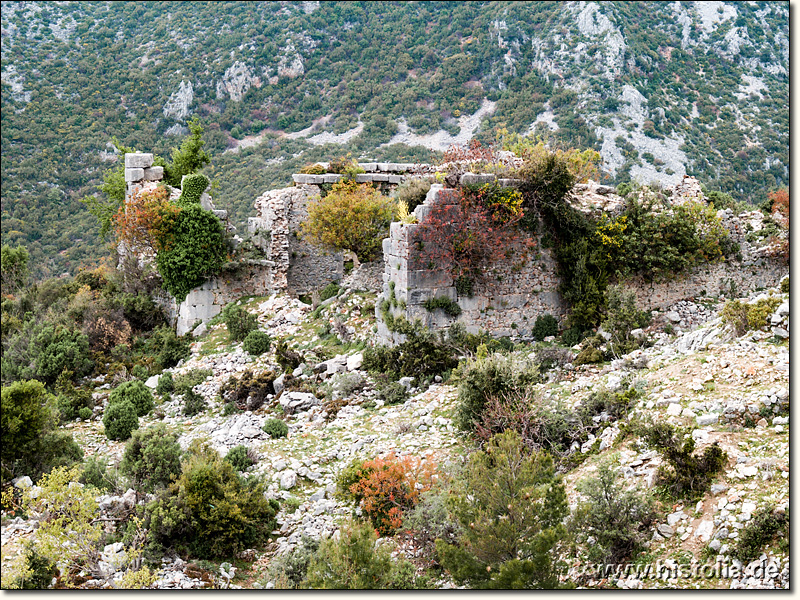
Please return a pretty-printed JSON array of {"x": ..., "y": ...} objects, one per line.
[{"x": 506, "y": 303}]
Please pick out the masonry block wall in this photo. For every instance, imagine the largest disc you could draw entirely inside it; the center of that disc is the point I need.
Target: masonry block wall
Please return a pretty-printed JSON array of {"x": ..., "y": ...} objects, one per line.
[{"x": 506, "y": 301}]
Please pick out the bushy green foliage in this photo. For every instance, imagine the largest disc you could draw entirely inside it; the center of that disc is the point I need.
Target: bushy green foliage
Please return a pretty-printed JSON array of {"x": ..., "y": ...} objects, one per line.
[
  {"x": 256, "y": 343},
  {"x": 511, "y": 531},
  {"x": 72, "y": 401},
  {"x": 785, "y": 285},
  {"x": 229, "y": 409},
  {"x": 422, "y": 355},
  {"x": 31, "y": 444},
  {"x": 186, "y": 381},
  {"x": 96, "y": 473},
  {"x": 431, "y": 520},
  {"x": 765, "y": 525},
  {"x": 165, "y": 384},
  {"x": 241, "y": 458},
  {"x": 544, "y": 326},
  {"x": 120, "y": 420},
  {"x": 152, "y": 458},
  {"x": 38, "y": 574},
  {"x": 290, "y": 569},
  {"x": 137, "y": 393},
  {"x": 42, "y": 350},
  {"x": 329, "y": 291},
  {"x": 684, "y": 475},
  {"x": 13, "y": 267},
  {"x": 239, "y": 321},
  {"x": 193, "y": 403},
  {"x": 276, "y": 428},
  {"x": 391, "y": 392},
  {"x": 192, "y": 187},
  {"x": 491, "y": 377},
  {"x": 190, "y": 157},
  {"x": 196, "y": 250},
  {"x": 287, "y": 358},
  {"x": 622, "y": 318},
  {"x": 354, "y": 563},
  {"x": 168, "y": 348},
  {"x": 450, "y": 307},
  {"x": 616, "y": 519},
  {"x": 744, "y": 317},
  {"x": 412, "y": 191},
  {"x": 210, "y": 510}
]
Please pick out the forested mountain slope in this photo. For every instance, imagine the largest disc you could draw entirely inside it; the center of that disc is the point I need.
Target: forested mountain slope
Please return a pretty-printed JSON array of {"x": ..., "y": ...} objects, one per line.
[{"x": 660, "y": 89}]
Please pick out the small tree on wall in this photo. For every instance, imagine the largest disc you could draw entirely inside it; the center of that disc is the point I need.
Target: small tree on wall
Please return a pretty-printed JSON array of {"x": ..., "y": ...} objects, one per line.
[{"x": 352, "y": 217}]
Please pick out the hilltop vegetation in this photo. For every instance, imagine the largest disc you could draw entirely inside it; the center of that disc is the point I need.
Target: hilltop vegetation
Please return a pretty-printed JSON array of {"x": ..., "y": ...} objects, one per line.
[{"x": 657, "y": 88}]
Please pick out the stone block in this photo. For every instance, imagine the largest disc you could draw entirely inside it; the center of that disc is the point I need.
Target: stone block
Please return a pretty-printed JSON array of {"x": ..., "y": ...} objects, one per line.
[
  {"x": 138, "y": 160},
  {"x": 154, "y": 173},
  {"x": 395, "y": 178},
  {"x": 134, "y": 174},
  {"x": 429, "y": 279},
  {"x": 364, "y": 178},
  {"x": 330, "y": 178},
  {"x": 380, "y": 177},
  {"x": 476, "y": 178},
  {"x": 383, "y": 167},
  {"x": 369, "y": 167},
  {"x": 476, "y": 303},
  {"x": 308, "y": 179}
]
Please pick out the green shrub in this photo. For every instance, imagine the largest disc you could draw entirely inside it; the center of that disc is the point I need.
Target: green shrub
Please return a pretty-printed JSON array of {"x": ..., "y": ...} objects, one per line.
[
  {"x": 250, "y": 391},
  {"x": 329, "y": 291},
  {"x": 192, "y": 188},
  {"x": 288, "y": 359},
  {"x": 152, "y": 458},
  {"x": 85, "y": 413},
  {"x": 96, "y": 473},
  {"x": 193, "y": 403},
  {"x": 31, "y": 444},
  {"x": 571, "y": 336},
  {"x": 239, "y": 322},
  {"x": 545, "y": 326},
  {"x": 256, "y": 343},
  {"x": 617, "y": 520},
  {"x": 683, "y": 475},
  {"x": 39, "y": 573},
  {"x": 186, "y": 381},
  {"x": 71, "y": 400},
  {"x": 353, "y": 562},
  {"x": 276, "y": 428},
  {"x": 120, "y": 420},
  {"x": 511, "y": 531},
  {"x": 484, "y": 378},
  {"x": 622, "y": 318},
  {"x": 430, "y": 520},
  {"x": 391, "y": 392},
  {"x": 412, "y": 191},
  {"x": 588, "y": 356},
  {"x": 229, "y": 409},
  {"x": 167, "y": 348},
  {"x": 744, "y": 317},
  {"x": 765, "y": 525},
  {"x": 422, "y": 355},
  {"x": 135, "y": 392},
  {"x": 450, "y": 307},
  {"x": 165, "y": 384},
  {"x": 290, "y": 569},
  {"x": 241, "y": 457},
  {"x": 209, "y": 510},
  {"x": 785, "y": 285},
  {"x": 196, "y": 251}
]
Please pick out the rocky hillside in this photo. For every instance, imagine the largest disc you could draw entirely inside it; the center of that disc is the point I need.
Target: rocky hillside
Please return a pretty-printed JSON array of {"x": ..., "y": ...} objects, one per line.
[
  {"x": 659, "y": 89},
  {"x": 695, "y": 372}
]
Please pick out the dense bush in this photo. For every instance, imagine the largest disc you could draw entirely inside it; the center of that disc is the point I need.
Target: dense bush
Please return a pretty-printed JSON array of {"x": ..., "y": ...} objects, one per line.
[
  {"x": 210, "y": 510},
  {"x": 744, "y": 317},
  {"x": 192, "y": 188},
  {"x": 96, "y": 473},
  {"x": 289, "y": 570},
  {"x": 450, "y": 307},
  {"x": 120, "y": 420},
  {"x": 276, "y": 428},
  {"x": 430, "y": 520},
  {"x": 37, "y": 574},
  {"x": 391, "y": 392},
  {"x": 72, "y": 401},
  {"x": 241, "y": 457},
  {"x": 196, "y": 250},
  {"x": 421, "y": 356},
  {"x": 31, "y": 445},
  {"x": 329, "y": 291},
  {"x": 616, "y": 520},
  {"x": 622, "y": 318},
  {"x": 511, "y": 531},
  {"x": 412, "y": 191},
  {"x": 287, "y": 358},
  {"x": 152, "y": 458},
  {"x": 137, "y": 393},
  {"x": 353, "y": 217},
  {"x": 193, "y": 403},
  {"x": 239, "y": 322},
  {"x": 250, "y": 391},
  {"x": 545, "y": 326},
  {"x": 165, "y": 384},
  {"x": 256, "y": 343},
  {"x": 491, "y": 377},
  {"x": 785, "y": 285},
  {"x": 168, "y": 348},
  {"x": 354, "y": 562},
  {"x": 684, "y": 475},
  {"x": 765, "y": 525}
]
